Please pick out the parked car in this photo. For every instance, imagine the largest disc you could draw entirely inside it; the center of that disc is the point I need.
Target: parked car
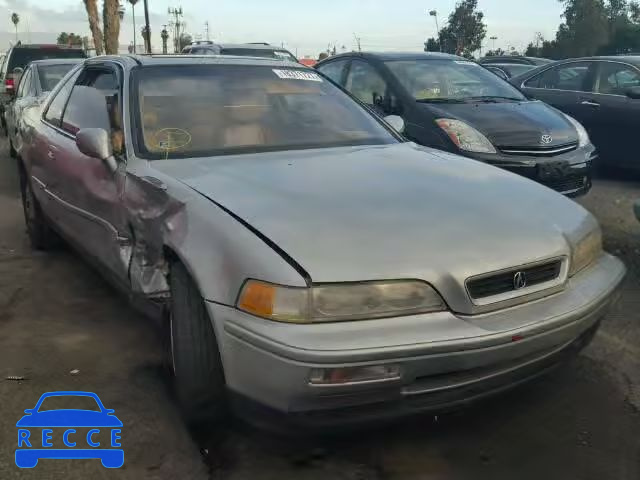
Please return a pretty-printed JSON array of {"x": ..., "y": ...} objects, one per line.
[
  {"x": 508, "y": 70},
  {"x": 39, "y": 78},
  {"x": 262, "y": 50},
  {"x": 310, "y": 261},
  {"x": 458, "y": 106},
  {"x": 514, "y": 60},
  {"x": 15, "y": 61},
  {"x": 602, "y": 93}
]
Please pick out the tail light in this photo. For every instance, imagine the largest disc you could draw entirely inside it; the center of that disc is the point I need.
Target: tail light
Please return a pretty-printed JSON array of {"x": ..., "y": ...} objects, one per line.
[{"x": 8, "y": 83}]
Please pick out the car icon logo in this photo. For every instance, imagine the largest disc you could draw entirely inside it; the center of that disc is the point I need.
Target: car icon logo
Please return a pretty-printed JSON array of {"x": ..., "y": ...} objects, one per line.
[
  {"x": 93, "y": 433},
  {"x": 546, "y": 139},
  {"x": 519, "y": 280}
]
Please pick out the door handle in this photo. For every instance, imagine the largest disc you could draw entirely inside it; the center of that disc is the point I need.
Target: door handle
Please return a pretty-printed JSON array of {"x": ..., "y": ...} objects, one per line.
[{"x": 590, "y": 103}]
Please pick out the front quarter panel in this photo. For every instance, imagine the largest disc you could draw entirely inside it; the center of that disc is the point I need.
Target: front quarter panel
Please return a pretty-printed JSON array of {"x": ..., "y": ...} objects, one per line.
[{"x": 168, "y": 218}]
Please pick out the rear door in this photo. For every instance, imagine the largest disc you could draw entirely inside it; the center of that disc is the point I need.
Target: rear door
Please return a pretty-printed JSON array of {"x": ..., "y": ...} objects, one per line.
[
  {"x": 617, "y": 119},
  {"x": 567, "y": 87}
]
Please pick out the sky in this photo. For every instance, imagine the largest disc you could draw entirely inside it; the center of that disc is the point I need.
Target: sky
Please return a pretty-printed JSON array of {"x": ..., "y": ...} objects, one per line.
[{"x": 306, "y": 27}]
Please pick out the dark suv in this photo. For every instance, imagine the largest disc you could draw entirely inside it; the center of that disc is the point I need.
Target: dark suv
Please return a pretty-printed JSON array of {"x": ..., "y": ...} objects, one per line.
[{"x": 18, "y": 58}]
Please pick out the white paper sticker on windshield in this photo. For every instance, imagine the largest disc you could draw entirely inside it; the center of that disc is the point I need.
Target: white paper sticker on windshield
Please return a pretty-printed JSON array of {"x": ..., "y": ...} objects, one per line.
[
  {"x": 297, "y": 75},
  {"x": 464, "y": 62}
]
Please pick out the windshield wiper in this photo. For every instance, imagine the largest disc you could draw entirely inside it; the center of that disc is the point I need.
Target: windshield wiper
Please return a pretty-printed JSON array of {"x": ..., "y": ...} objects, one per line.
[
  {"x": 492, "y": 99},
  {"x": 440, "y": 100}
]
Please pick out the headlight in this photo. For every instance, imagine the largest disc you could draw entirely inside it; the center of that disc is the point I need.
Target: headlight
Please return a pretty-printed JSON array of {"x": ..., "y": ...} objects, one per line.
[
  {"x": 465, "y": 136},
  {"x": 338, "y": 302},
  {"x": 586, "y": 251},
  {"x": 583, "y": 136}
]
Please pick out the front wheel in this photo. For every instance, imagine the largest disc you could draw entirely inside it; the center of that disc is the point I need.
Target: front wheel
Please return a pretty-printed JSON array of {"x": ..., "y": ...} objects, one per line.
[{"x": 198, "y": 375}]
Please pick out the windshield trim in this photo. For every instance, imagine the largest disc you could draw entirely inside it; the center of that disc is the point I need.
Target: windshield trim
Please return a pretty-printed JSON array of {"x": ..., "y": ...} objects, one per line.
[
  {"x": 136, "y": 126},
  {"x": 449, "y": 99}
]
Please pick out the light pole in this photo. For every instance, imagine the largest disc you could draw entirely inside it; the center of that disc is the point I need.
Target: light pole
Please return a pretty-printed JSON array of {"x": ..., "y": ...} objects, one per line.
[
  {"x": 146, "y": 25},
  {"x": 165, "y": 36},
  {"x": 493, "y": 39},
  {"x": 434, "y": 14},
  {"x": 133, "y": 14}
]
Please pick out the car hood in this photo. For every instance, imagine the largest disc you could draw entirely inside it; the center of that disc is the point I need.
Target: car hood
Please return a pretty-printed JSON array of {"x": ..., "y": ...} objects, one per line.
[
  {"x": 512, "y": 124},
  {"x": 69, "y": 418},
  {"x": 388, "y": 212}
]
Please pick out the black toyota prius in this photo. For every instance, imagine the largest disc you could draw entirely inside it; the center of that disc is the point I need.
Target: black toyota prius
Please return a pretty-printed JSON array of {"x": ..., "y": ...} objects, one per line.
[{"x": 452, "y": 104}]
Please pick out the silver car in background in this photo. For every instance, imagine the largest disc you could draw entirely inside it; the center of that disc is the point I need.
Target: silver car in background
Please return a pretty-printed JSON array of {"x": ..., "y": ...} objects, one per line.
[
  {"x": 38, "y": 79},
  {"x": 306, "y": 260}
]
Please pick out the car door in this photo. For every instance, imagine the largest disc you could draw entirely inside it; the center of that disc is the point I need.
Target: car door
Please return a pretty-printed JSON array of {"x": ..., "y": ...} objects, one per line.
[
  {"x": 566, "y": 87},
  {"x": 89, "y": 193},
  {"x": 617, "y": 117},
  {"x": 335, "y": 70}
]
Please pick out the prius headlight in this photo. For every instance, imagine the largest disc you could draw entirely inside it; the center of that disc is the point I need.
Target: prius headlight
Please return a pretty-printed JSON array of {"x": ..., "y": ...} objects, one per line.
[
  {"x": 465, "y": 136},
  {"x": 338, "y": 301},
  {"x": 586, "y": 251},
  {"x": 583, "y": 136}
]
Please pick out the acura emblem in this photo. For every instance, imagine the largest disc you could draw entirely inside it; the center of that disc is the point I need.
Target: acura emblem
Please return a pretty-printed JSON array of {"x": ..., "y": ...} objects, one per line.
[
  {"x": 519, "y": 280},
  {"x": 546, "y": 139}
]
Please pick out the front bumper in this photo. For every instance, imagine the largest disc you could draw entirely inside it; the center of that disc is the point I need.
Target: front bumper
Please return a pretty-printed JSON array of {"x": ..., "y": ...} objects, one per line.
[
  {"x": 569, "y": 173},
  {"x": 445, "y": 359}
]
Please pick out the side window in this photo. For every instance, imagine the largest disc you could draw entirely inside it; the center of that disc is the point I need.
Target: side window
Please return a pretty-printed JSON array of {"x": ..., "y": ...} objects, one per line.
[
  {"x": 53, "y": 115},
  {"x": 574, "y": 76},
  {"x": 334, "y": 70},
  {"x": 88, "y": 105},
  {"x": 365, "y": 83},
  {"x": 25, "y": 84},
  {"x": 617, "y": 78}
]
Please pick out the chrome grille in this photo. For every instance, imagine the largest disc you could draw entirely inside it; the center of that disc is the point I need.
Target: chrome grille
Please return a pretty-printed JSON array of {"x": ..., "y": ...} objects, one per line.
[
  {"x": 540, "y": 151},
  {"x": 504, "y": 282}
]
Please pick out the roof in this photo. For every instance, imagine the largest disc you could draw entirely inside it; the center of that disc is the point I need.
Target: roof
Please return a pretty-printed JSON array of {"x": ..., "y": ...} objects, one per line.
[
  {"x": 633, "y": 59},
  {"x": 389, "y": 56},
  {"x": 165, "y": 60},
  {"x": 58, "y": 61},
  {"x": 46, "y": 45}
]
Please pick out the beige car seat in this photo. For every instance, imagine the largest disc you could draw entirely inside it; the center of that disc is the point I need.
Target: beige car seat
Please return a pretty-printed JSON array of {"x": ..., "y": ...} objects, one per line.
[{"x": 244, "y": 116}]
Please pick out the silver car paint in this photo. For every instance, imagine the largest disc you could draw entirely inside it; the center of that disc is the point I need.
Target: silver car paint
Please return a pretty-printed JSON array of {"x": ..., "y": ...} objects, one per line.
[{"x": 330, "y": 215}]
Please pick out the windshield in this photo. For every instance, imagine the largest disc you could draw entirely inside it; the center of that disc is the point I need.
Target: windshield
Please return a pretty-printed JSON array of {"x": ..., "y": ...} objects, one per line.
[
  {"x": 259, "y": 52},
  {"x": 50, "y": 75},
  {"x": 207, "y": 110},
  {"x": 443, "y": 80},
  {"x": 21, "y": 57},
  {"x": 515, "y": 69}
]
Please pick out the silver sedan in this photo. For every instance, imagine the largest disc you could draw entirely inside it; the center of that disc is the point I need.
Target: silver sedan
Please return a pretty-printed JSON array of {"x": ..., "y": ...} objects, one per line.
[{"x": 304, "y": 258}]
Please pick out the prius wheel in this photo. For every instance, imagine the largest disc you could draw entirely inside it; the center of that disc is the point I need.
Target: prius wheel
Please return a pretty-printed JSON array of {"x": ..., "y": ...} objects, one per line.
[
  {"x": 198, "y": 377},
  {"x": 40, "y": 234}
]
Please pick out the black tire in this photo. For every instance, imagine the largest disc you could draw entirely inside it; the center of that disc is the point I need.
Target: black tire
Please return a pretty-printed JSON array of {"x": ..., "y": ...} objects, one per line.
[
  {"x": 40, "y": 234},
  {"x": 12, "y": 151},
  {"x": 198, "y": 376}
]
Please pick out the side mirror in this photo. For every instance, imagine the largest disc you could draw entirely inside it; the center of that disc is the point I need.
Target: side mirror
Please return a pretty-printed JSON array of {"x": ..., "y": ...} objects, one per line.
[
  {"x": 634, "y": 93},
  {"x": 95, "y": 143},
  {"x": 396, "y": 122}
]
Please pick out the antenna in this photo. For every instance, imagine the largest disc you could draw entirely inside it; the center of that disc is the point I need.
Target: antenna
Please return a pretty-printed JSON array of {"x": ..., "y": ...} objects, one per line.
[
  {"x": 206, "y": 30},
  {"x": 358, "y": 39}
]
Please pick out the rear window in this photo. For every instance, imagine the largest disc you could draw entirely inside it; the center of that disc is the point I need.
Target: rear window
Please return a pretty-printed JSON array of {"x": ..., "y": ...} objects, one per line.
[
  {"x": 50, "y": 75},
  {"x": 21, "y": 57}
]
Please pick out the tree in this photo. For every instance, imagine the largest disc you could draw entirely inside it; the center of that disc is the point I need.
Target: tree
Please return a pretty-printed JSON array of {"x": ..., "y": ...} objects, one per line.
[
  {"x": 94, "y": 24},
  {"x": 465, "y": 31},
  {"x": 498, "y": 52},
  {"x": 586, "y": 28},
  {"x": 431, "y": 45},
  {"x": 185, "y": 40},
  {"x": 322, "y": 56},
  {"x": 15, "y": 19},
  {"x": 111, "y": 22},
  {"x": 70, "y": 39}
]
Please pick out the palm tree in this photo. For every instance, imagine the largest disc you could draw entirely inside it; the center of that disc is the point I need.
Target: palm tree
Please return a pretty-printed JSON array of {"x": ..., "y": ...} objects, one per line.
[
  {"x": 111, "y": 21},
  {"x": 133, "y": 13},
  {"x": 15, "y": 18},
  {"x": 94, "y": 24}
]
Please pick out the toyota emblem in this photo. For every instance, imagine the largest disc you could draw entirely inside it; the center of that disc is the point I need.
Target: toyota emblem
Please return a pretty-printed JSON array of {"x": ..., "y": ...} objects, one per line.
[
  {"x": 546, "y": 139},
  {"x": 519, "y": 280}
]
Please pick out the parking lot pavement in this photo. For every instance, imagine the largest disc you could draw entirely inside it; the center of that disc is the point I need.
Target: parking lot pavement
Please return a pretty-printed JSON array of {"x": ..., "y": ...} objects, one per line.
[{"x": 57, "y": 315}]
